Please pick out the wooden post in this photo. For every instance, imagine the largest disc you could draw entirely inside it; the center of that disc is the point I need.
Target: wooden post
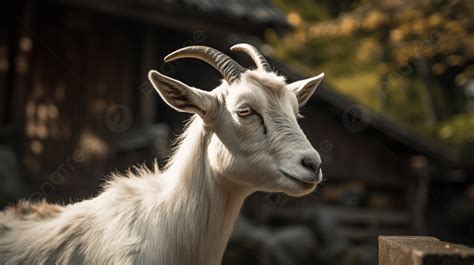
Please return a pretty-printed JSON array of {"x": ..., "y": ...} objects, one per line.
[
  {"x": 147, "y": 95},
  {"x": 415, "y": 250}
]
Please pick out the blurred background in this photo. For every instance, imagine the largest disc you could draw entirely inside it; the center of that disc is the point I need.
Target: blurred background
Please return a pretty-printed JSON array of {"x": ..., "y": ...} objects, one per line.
[{"x": 393, "y": 120}]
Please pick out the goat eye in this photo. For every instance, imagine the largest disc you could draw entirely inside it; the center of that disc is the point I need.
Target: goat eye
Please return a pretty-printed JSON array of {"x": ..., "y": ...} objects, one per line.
[{"x": 244, "y": 112}]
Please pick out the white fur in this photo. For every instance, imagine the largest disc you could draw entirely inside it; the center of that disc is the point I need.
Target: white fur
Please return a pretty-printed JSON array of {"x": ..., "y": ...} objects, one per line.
[{"x": 184, "y": 215}]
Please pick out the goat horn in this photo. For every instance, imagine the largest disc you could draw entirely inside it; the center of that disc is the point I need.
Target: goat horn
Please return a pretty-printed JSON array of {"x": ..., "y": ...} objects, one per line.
[
  {"x": 228, "y": 68},
  {"x": 255, "y": 54}
]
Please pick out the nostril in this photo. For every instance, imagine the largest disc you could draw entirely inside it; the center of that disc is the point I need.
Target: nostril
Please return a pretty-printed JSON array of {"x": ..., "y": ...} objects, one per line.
[{"x": 311, "y": 163}]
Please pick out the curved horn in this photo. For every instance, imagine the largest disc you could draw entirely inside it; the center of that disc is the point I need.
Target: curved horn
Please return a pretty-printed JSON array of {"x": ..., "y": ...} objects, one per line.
[
  {"x": 228, "y": 68},
  {"x": 255, "y": 54}
]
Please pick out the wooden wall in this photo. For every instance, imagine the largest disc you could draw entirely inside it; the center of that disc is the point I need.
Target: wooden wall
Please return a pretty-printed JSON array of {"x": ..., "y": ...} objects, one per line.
[
  {"x": 9, "y": 37},
  {"x": 85, "y": 93},
  {"x": 80, "y": 84}
]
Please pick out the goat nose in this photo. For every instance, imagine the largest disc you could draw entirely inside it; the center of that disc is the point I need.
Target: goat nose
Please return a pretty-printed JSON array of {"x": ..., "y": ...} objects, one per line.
[{"x": 312, "y": 163}]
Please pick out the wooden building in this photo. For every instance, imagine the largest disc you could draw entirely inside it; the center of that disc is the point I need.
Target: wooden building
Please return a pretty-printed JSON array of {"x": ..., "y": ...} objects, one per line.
[
  {"x": 75, "y": 104},
  {"x": 74, "y": 90}
]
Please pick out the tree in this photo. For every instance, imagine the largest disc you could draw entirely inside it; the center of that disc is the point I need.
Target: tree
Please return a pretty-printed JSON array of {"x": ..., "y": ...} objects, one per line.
[{"x": 407, "y": 59}]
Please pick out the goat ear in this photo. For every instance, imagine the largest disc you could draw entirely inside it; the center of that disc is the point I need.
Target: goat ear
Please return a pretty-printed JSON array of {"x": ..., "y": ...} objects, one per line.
[
  {"x": 305, "y": 88},
  {"x": 181, "y": 96}
]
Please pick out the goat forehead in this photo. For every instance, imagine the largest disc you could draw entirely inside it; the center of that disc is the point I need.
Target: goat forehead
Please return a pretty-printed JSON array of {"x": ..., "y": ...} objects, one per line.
[
  {"x": 266, "y": 91},
  {"x": 263, "y": 99},
  {"x": 269, "y": 80},
  {"x": 247, "y": 94},
  {"x": 272, "y": 83}
]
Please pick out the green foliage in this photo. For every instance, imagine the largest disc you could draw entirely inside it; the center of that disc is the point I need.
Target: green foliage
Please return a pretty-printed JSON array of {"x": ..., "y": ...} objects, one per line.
[
  {"x": 408, "y": 60},
  {"x": 459, "y": 132}
]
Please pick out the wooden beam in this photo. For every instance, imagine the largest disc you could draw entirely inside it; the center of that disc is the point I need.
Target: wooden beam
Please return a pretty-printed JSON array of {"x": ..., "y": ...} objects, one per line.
[
  {"x": 147, "y": 96},
  {"x": 172, "y": 17},
  {"x": 414, "y": 250}
]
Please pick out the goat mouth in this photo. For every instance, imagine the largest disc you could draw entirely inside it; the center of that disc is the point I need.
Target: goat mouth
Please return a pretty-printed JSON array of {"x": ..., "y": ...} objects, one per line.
[{"x": 301, "y": 182}]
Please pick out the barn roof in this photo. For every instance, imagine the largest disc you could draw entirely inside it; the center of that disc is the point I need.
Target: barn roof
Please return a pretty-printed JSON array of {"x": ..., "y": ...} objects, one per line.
[{"x": 242, "y": 16}]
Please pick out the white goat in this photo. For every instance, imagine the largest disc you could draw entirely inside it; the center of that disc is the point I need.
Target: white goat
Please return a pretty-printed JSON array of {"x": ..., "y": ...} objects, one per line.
[{"x": 244, "y": 138}]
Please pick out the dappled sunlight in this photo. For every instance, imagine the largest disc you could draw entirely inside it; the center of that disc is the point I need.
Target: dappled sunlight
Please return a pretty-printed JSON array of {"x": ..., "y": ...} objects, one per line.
[
  {"x": 92, "y": 146},
  {"x": 43, "y": 123}
]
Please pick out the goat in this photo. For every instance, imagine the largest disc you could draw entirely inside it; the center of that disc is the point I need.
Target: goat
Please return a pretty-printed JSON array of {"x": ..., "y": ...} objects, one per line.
[{"x": 244, "y": 137}]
